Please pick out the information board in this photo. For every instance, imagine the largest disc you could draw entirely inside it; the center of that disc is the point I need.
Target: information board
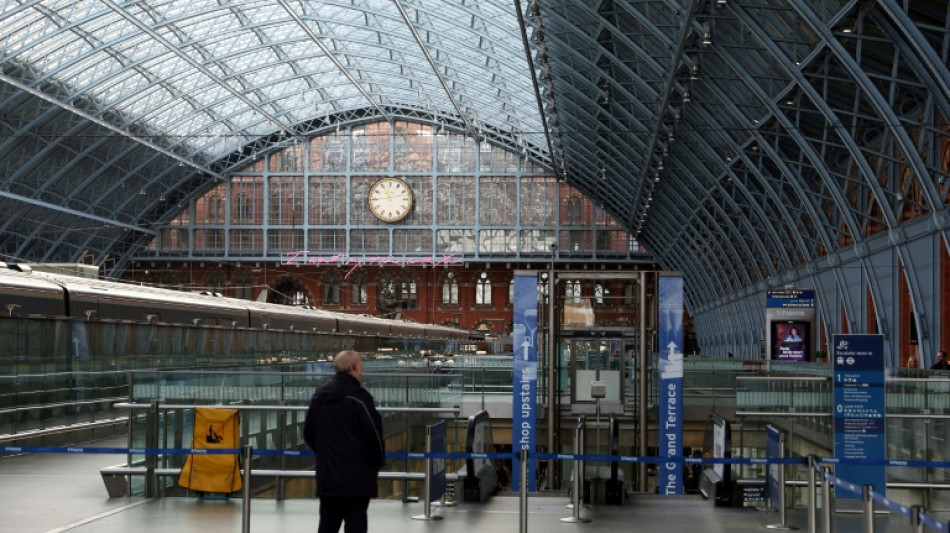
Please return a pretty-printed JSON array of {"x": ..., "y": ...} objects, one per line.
[
  {"x": 789, "y": 315},
  {"x": 859, "y": 410}
]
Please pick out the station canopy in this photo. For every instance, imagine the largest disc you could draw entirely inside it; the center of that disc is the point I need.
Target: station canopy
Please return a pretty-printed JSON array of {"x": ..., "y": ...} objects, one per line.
[{"x": 737, "y": 140}]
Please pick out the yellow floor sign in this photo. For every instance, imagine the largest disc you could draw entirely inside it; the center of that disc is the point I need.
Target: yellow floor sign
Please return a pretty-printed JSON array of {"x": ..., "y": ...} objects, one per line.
[{"x": 214, "y": 428}]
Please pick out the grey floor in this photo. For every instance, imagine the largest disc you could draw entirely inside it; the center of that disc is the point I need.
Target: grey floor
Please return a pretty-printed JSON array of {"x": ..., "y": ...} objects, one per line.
[{"x": 48, "y": 493}]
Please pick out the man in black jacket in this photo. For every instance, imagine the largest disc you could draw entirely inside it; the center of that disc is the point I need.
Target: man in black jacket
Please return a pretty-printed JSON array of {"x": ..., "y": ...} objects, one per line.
[
  {"x": 942, "y": 363},
  {"x": 346, "y": 432}
]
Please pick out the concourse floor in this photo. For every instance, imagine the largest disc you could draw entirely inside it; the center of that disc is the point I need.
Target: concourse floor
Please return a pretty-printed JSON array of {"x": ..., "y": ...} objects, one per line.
[{"x": 47, "y": 493}]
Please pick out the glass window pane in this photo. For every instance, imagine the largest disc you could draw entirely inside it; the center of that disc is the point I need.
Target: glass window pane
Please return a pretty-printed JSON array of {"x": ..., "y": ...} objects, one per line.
[
  {"x": 456, "y": 201},
  {"x": 327, "y": 240},
  {"x": 285, "y": 201},
  {"x": 370, "y": 144},
  {"x": 327, "y": 201},
  {"x": 413, "y": 145},
  {"x": 209, "y": 240},
  {"x": 412, "y": 241},
  {"x": 576, "y": 242},
  {"x": 538, "y": 201},
  {"x": 458, "y": 241},
  {"x": 210, "y": 208},
  {"x": 359, "y": 194},
  {"x": 496, "y": 198},
  {"x": 370, "y": 241},
  {"x": 289, "y": 159},
  {"x": 456, "y": 153},
  {"x": 245, "y": 241},
  {"x": 247, "y": 195},
  {"x": 328, "y": 153},
  {"x": 497, "y": 242},
  {"x": 284, "y": 240},
  {"x": 576, "y": 209},
  {"x": 483, "y": 290},
  {"x": 175, "y": 239},
  {"x": 537, "y": 241}
]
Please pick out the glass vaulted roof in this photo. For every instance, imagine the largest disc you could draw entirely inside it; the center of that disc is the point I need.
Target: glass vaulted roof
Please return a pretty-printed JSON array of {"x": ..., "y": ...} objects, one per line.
[
  {"x": 741, "y": 141},
  {"x": 211, "y": 74}
]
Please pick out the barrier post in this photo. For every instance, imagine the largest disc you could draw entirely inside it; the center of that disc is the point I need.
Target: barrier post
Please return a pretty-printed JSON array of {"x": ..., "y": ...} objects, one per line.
[
  {"x": 151, "y": 443},
  {"x": 577, "y": 486},
  {"x": 915, "y": 520},
  {"x": 523, "y": 458},
  {"x": 246, "y": 492},
  {"x": 812, "y": 496},
  {"x": 868, "y": 508},
  {"x": 427, "y": 489},
  {"x": 780, "y": 475},
  {"x": 826, "y": 499}
]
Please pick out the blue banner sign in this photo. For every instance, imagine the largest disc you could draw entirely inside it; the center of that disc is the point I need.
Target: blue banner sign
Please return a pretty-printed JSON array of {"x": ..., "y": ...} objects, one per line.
[
  {"x": 670, "y": 476},
  {"x": 775, "y": 478},
  {"x": 790, "y": 298},
  {"x": 859, "y": 410},
  {"x": 437, "y": 444},
  {"x": 525, "y": 375}
]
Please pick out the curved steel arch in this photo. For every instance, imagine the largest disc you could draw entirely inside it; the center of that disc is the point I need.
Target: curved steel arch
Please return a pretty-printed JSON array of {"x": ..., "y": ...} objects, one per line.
[{"x": 172, "y": 90}]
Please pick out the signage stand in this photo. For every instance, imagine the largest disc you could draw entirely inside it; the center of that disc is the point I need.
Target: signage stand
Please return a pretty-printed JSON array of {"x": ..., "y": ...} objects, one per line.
[
  {"x": 775, "y": 478},
  {"x": 435, "y": 470}
]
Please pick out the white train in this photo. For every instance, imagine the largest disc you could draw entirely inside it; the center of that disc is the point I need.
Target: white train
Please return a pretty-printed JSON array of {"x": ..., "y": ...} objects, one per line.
[{"x": 27, "y": 293}]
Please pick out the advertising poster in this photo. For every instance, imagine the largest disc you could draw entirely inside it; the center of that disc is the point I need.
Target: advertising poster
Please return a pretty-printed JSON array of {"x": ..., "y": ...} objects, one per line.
[{"x": 789, "y": 315}]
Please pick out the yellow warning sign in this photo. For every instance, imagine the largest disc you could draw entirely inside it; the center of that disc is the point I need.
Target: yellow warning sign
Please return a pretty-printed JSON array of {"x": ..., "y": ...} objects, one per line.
[{"x": 214, "y": 428}]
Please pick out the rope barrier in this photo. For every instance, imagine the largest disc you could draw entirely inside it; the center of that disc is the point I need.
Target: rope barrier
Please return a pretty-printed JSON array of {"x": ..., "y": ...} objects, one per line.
[
  {"x": 463, "y": 455},
  {"x": 913, "y": 513}
]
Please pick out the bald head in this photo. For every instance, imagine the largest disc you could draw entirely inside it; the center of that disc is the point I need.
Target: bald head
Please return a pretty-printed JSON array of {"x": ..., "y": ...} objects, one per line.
[{"x": 349, "y": 362}]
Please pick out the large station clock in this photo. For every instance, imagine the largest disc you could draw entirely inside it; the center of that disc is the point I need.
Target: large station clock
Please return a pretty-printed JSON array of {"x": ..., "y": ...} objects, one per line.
[{"x": 390, "y": 199}]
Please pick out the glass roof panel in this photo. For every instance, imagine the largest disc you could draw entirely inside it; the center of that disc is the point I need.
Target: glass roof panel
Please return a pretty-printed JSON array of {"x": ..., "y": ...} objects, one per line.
[{"x": 254, "y": 55}]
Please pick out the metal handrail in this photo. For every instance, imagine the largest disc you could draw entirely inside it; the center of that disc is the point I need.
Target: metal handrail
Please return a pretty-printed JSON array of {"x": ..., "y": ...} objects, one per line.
[{"x": 128, "y": 405}]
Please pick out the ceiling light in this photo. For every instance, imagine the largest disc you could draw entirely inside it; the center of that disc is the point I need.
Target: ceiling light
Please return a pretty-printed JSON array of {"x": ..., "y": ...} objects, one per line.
[
  {"x": 686, "y": 98},
  {"x": 707, "y": 34},
  {"x": 694, "y": 71}
]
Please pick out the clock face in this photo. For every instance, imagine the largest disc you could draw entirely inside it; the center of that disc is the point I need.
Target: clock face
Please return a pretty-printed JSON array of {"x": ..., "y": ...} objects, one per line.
[{"x": 390, "y": 199}]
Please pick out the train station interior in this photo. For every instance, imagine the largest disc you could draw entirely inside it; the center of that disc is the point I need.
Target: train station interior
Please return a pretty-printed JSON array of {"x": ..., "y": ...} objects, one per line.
[{"x": 649, "y": 233}]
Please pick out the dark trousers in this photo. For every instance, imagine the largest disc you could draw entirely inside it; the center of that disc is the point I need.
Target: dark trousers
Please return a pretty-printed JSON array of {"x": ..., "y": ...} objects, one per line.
[{"x": 336, "y": 511}]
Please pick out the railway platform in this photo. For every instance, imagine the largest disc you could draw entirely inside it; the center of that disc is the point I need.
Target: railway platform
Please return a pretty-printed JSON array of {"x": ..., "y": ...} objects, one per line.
[{"x": 54, "y": 493}]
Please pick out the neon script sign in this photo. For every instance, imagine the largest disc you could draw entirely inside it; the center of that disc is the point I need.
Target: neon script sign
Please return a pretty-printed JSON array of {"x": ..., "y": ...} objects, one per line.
[{"x": 300, "y": 257}]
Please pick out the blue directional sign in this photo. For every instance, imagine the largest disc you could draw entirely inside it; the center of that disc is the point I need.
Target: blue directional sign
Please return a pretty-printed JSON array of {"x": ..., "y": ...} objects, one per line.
[
  {"x": 670, "y": 475},
  {"x": 859, "y": 409},
  {"x": 525, "y": 374}
]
